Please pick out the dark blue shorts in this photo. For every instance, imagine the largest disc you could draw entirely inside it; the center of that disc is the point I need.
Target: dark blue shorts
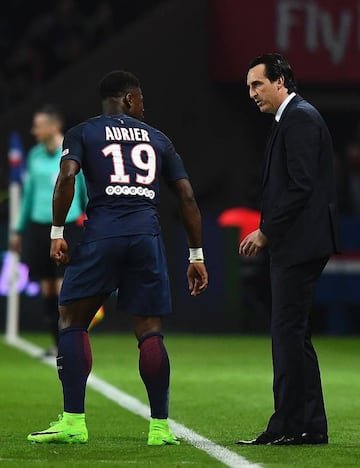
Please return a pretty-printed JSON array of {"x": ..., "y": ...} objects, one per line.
[{"x": 135, "y": 266}]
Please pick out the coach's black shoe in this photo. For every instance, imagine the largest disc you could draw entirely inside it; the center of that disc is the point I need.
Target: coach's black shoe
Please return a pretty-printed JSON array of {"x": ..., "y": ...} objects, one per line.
[
  {"x": 314, "y": 438},
  {"x": 262, "y": 439},
  {"x": 269, "y": 438},
  {"x": 287, "y": 440}
]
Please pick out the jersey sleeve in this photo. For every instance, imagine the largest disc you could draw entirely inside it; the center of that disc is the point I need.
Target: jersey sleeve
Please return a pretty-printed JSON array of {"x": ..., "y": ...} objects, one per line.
[
  {"x": 73, "y": 147},
  {"x": 172, "y": 164}
]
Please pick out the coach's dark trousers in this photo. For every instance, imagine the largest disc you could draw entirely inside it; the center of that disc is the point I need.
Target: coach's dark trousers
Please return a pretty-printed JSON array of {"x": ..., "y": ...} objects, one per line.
[{"x": 298, "y": 397}]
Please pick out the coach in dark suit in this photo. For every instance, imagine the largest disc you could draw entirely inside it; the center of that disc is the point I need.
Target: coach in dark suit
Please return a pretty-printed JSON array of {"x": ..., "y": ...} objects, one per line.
[{"x": 298, "y": 225}]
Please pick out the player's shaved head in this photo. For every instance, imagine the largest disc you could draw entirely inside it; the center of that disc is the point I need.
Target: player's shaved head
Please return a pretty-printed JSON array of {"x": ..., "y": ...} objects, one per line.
[
  {"x": 117, "y": 83},
  {"x": 121, "y": 94}
]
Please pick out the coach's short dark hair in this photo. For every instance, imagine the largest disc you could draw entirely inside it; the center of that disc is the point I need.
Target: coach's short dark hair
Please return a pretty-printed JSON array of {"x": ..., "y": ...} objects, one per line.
[
  {"x": 117, "y": 83},
  {"x": 276, "y": 66}
]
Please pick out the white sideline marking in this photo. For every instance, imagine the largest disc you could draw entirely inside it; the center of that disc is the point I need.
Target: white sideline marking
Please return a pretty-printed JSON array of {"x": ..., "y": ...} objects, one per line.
[{"x": 126, "y": 401}]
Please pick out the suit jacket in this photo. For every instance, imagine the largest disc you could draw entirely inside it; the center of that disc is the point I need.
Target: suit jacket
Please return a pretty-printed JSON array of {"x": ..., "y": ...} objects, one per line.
[{"x": 298, "y": 198}]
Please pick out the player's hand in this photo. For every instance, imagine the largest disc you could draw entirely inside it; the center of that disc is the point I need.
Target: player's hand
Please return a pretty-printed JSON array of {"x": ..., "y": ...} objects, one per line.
[
  {"x": 197, "y": 278},
  {"x": 253, "y": 243},
  {"x": 59, "y": 251},
  {"x": 15, "y": 242}
]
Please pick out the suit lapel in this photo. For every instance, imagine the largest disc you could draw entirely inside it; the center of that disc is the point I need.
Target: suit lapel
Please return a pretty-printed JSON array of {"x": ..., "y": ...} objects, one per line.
[
  {"x": 273, "y": 132},
  {"x": 270, "y": 141}
]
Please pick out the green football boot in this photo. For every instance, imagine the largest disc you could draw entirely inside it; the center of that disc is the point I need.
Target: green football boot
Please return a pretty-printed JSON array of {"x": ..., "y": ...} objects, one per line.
[
  {"x": 160, "y": 433},
  {"x": 69, "y": 429}
]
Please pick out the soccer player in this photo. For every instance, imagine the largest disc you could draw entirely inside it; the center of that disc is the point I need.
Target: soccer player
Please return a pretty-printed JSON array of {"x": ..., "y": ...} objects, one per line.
[
  {"x": 35, "y": 212},
  {"x": 121, "y": 249}
]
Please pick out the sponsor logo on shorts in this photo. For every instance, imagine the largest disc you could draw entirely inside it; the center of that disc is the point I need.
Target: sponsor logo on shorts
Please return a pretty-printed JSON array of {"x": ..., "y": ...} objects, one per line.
[
  {"x": 65, "y": 152},
  {"x": 130, "y": 191}
]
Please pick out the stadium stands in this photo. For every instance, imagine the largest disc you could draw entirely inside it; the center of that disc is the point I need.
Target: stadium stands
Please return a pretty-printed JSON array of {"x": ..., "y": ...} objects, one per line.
[{"x": 46, "y": 38}]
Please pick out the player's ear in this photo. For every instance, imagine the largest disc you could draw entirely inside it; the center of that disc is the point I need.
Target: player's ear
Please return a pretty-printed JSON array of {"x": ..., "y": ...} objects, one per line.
[{"x": 128, "y": 100}]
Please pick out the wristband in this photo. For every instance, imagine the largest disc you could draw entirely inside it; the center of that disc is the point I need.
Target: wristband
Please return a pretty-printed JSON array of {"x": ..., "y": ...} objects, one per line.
[
  {"x": 57, "y": 232},
  {"x": 196, "y": 255}
]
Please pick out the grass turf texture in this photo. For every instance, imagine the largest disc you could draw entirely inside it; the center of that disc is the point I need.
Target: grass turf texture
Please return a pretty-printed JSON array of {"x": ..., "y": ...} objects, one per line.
[{"x": 221, "y": 388}]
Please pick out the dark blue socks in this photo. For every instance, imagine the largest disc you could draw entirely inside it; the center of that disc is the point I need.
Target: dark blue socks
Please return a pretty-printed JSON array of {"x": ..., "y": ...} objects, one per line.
[
  {"x": 154, "y": 369},
  {"x": 74, "y": 363}
]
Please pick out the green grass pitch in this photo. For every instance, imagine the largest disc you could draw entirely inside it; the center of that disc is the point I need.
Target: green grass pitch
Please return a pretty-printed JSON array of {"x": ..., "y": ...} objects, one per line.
[{"x": 221, "y": 388}]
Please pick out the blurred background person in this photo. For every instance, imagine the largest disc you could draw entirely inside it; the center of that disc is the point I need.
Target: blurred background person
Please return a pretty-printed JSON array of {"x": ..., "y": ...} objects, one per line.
[{"x": 33, "y": 226}]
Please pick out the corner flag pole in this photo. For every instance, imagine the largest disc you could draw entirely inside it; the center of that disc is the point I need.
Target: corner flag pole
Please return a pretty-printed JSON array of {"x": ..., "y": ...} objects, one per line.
[{"x": 15, "y": 159}]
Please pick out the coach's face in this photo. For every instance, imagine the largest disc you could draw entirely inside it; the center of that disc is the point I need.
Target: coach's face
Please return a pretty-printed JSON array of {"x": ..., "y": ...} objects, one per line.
[{"x": 267, "y": 95}]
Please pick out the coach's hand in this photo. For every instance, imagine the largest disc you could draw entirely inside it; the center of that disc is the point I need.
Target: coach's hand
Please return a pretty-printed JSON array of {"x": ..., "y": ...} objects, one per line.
[
  {"x": 253, "y": 243},
  {"x": 197, "y": 278},
  {"x": 59, "y": 251}
]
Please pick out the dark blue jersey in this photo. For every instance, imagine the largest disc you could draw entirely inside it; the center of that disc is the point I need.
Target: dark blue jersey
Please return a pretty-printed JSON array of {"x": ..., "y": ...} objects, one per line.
[{"x": 122, "y": 160}]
